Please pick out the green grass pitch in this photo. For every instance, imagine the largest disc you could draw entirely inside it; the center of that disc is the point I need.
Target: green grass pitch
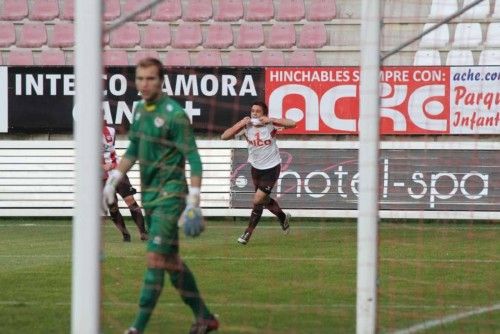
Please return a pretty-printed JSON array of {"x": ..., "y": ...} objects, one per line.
[{"x": 301, "y": 283}]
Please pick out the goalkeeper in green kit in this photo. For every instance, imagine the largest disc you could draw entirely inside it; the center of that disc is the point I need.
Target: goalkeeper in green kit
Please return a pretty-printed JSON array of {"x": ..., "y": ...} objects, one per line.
[{"x": 161, "y": 139}]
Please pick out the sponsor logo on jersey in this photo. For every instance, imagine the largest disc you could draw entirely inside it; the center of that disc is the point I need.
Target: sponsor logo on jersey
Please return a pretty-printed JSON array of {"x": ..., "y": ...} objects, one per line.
[
  {"x": 258, "y": 141},
  {"x": 159, "y": 122}
]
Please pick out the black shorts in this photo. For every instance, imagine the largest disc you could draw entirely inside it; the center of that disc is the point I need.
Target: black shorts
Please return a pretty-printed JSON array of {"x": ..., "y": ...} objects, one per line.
[
  {"x": 265, "y": 179},
  {"x": 124, "y": 188}
]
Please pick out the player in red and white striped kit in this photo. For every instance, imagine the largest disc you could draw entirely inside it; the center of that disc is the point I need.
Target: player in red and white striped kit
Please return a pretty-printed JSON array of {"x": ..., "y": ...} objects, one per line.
[
  {"x": 263, "y": 155},
  {"x": 124, "y": 188}
]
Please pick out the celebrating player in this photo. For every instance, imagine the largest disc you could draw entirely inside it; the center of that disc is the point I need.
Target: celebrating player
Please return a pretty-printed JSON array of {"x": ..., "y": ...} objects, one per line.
[
  {"x": 161, "y": 139},
  {"x": 263, "y": 155},
  {"x": 124, "y": 188}
]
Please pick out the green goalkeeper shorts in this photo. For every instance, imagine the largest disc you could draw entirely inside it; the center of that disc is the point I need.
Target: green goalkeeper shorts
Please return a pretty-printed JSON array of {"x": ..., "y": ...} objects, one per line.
[{"x": 162, "y": 226}]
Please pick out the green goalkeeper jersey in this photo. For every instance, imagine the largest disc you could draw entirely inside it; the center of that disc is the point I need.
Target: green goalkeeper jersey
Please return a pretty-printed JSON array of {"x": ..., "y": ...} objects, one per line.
[{"x": 161, "y": 138}]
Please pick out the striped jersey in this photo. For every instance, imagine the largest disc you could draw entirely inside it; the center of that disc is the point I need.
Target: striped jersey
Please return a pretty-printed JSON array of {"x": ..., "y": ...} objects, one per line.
[
  {"x": 108, "y": 148},
  {"x": 263, "y": 153}
]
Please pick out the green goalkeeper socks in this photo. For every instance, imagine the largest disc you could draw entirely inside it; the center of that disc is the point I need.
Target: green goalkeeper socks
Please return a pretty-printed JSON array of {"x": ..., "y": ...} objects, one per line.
[
  {"x": 153, "y": 284},
  {"x": 185, "y": 283}
]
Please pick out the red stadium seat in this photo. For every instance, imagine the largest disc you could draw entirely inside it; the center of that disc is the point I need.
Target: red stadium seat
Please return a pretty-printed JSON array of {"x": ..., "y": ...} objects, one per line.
[
  {"x": 52, "y": 57},
  {"x": 133, "y": 5},
  {"x": 260, "y": 10},
  {"x": 250, "y": 36},
  {"x": 115, "y": 58},
  {"x": 68, "y": 11},
  {"x": 156, "y": 35},
  {"x": 168, "y": 10},
  {"x": 188, "y": 35},
  {"x": 229, "y": 10},
  {"x": 313, "y": 35},
  {"x": 125, "y": 36},
  {"x": 141, "y": 54},
  {"x": 271, "y": 58},
  {"x": 219, "y": 36},
  {"x": 208, "y": 58},
  {"x": 44, "y": 10},
  {"x": 20, "y": 58},
  {"x": 291, "y": 10},
  {"x": 14, "y": 10},
  {"x": 7, "y": 34},
  {"x": 33, "y": 35},
  {"x": 63, "y": 35},
  {"x": 322, "y": 10},
  {"x": 198, "y": 10},
  {"x": 111, "y": 9},
  {"x": 177, "y": 58},
  {"x": 281, "y": 36},
  {"x": 240, "y": 58},
  {"x": 302, "y": 58}
]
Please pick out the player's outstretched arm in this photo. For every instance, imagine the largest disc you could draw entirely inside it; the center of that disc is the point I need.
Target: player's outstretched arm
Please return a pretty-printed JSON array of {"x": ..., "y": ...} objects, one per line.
[
  {"x": 283, "y": 122},
  {"x": 235, "y": 129}
]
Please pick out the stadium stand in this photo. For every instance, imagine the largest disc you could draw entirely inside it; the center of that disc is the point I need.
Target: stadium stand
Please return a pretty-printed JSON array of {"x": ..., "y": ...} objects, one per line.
[
  {"x": 14, "y": 10},
  {"x": 329, "y": 28},
  {"x": 219, "y": 36},
  {"x": 125, "y": 36},
  {"x": 7, "y": 34},
  {"x": 467, "y": 35},
  {"x": 460, "y": 57},
  {"x": 188, "y": 35},
  {"x": 489, "y": 57},
  {"x": 44, "y": 10},
  {"x": 479, "y": 11},
  {"x": 51, "y": 57},
  {"x": 198, "y": 10},
  {"x": 290, "y": 10},
  {"x": 141, "y": 54},
  {"x": 250, "y": 36},
  {"x": 281, "y": 36},
  {"x": 442, "y": 8},
  {"x": 63, "y": 35},
  {"x": 132, "y": 5},
  {"x": 271, "y": 58},
  {"x": 427, "y": 58},
  {"x": 168, "y": 10},
  {"x": 33, "y": 35},
  {"x": 321, "y": 10},
  {"x": 229, "y": 10},
  {"x": 208, "y": 58},
  {"x": 20, "y": 57},
  {"x": 114, "y": 58},
  {"x": 156, "y": 36},
  {"x": 112, "y": 9},
  {"x": 493, "y": 35},
  {"x": 177, "y": 58},
  {"x": 240, "y": 58},
  {"x": 302, "y": 58},
  {"x": 260, "y": 10}
]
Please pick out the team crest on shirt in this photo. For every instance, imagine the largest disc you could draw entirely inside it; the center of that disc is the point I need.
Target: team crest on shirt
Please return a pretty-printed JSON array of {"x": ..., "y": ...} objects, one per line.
[{"x": 159, "y": 122}]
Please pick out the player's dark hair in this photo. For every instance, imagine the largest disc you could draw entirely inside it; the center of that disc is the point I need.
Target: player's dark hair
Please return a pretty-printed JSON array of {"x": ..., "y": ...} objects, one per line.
[
  {"x": 150, "y": 61},
  {"x": 263, "y": 105}
]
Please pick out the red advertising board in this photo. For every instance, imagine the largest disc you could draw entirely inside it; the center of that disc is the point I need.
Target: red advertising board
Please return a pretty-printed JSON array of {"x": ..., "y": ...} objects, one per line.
[{"x": 324, "y": 100}]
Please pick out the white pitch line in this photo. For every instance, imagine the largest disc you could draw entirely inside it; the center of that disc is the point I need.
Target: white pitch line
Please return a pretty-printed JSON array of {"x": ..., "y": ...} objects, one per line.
[
  {"x": 265, "y": 258},
  {"x": 262, "y": 305},
  {"x": 451, "y": 318}
]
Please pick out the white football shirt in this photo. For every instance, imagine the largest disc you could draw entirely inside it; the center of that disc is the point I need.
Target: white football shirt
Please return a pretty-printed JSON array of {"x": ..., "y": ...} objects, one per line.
[{"x": 263, "y": 153}]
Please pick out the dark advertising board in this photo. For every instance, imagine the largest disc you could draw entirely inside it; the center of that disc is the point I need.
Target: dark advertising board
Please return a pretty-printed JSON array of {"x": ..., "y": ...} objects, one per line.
[
  {"x": 428, "y": 180},
  {"x": 40, "y": 99}
]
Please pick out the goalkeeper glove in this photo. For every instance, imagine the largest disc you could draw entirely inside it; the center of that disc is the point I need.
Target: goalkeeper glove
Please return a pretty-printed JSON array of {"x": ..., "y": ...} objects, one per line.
[
  {"x": 109, "y": 191},
  {"x": 191, "y": 219}
]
